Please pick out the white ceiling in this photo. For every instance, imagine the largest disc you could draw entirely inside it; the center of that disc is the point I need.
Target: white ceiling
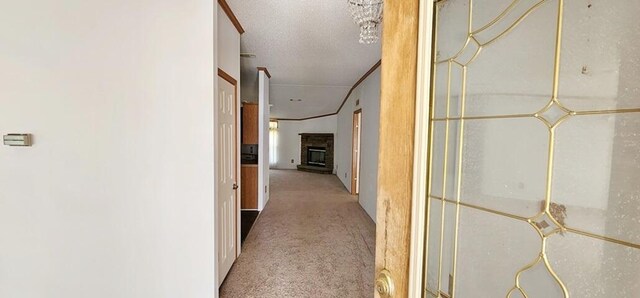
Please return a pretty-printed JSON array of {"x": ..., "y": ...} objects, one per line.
[{"x": 310, "y": 48}]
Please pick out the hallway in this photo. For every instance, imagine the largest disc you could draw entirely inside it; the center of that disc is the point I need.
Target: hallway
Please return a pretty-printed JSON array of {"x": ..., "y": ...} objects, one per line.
[{"x": 312, "y": 240}]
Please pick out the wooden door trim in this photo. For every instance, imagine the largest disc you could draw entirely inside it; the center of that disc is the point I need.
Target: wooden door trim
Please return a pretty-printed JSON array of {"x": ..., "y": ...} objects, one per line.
[
  {"x": 227, "y": 77},
  {"x": 354, "y": 161},
  {"x": 396, "y": 149}
]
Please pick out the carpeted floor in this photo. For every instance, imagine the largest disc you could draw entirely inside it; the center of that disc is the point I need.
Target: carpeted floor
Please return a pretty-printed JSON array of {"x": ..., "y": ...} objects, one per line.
[{"x": 312, "y": 240}]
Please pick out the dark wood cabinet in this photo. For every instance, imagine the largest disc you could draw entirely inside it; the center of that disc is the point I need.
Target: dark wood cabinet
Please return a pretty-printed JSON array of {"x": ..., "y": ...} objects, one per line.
[
  {"x": 250, "y": 123},
  {"x": 249, "y": 172},
  {"x": 249, "y": 196}
]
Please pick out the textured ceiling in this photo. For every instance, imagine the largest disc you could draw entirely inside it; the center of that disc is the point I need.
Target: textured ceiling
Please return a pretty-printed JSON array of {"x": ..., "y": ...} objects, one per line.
[{"x": 310, "y": 48}]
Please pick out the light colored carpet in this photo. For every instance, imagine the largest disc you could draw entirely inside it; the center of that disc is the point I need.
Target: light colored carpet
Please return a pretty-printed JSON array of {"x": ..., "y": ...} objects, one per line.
[{"x": 312, "y": 240}]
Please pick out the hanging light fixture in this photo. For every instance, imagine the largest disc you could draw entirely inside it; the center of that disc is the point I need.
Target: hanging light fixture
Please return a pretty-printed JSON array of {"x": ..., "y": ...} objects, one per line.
[{"x": 368, "y": 15}]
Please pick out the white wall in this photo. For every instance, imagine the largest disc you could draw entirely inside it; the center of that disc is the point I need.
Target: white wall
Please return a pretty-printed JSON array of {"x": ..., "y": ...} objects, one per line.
[
  {"x": 228, "y": 46},
  {"x": 115, "y": 198},
  {"x": 263, "y": 139},
  {"x": 288, "y": 143},
  {"x": 368, "y": 92}
]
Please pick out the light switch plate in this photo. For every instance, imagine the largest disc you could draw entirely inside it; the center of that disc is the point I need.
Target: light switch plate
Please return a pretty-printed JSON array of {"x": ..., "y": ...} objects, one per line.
[{"x": 17, "y": 139}]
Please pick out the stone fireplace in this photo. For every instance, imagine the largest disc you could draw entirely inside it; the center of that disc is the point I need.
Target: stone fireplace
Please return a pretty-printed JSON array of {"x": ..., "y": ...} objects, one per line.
[{"x": 316, "y": 153}]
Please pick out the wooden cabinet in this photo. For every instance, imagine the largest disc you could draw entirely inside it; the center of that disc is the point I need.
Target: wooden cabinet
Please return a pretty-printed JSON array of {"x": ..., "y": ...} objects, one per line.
[
  {"x": 250, "y": 123},
  {"x": 249, "y": 172},
  {"x": 249, "y": 195}
]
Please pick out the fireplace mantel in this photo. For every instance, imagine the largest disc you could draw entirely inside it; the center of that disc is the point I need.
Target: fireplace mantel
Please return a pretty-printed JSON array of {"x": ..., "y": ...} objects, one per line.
[{"x": 315, "y": 141}]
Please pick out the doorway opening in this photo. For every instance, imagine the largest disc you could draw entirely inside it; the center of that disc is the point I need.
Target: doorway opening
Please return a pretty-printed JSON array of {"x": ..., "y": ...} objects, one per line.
[
  {"x": 355, "y": 163},
  {"x": 300, "y": 153}
]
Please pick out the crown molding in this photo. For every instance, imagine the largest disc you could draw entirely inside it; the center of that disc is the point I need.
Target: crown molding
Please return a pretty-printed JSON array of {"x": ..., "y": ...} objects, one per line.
[{"x": 232, "y": 17}]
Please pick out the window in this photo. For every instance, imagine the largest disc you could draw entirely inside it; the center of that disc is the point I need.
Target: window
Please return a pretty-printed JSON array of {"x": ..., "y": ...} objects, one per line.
[{"x": 273, "y": 143}]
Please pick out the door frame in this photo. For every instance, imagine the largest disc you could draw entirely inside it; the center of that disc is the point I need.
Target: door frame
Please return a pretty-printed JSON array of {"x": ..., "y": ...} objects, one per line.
[
  {"x": 422, "y": 148},
  {"x": 356, "y": 157},
  {"x": 396, "y": 150},
  {"x": 236, "y": 231}
]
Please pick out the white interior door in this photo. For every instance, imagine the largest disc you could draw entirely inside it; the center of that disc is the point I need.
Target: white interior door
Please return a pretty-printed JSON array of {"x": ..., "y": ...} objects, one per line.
[{"x": 226, "y": 183}]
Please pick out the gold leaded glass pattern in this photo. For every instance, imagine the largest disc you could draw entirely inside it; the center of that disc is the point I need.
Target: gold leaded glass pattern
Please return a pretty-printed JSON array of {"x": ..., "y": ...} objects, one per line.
[{"x": 534, "y": 158}]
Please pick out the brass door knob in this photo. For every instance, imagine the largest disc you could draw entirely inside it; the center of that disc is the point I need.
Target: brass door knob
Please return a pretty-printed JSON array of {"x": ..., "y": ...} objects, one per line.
[{"x": 384, "y": 284}]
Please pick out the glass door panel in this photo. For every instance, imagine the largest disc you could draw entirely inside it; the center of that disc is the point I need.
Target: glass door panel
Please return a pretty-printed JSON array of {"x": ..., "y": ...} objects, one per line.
[{"x": 534, "y": 174}]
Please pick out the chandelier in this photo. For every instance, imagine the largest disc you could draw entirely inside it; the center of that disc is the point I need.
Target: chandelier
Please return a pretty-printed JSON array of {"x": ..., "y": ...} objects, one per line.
[{"x": 368, "y": 15}]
